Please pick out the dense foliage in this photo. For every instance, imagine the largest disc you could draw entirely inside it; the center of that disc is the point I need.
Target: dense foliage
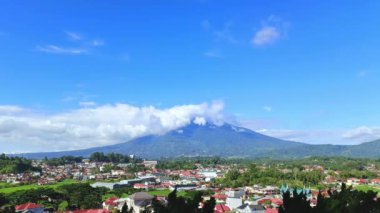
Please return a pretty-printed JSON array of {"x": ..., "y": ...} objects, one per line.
[
  {"x": 269, "y": 176},
  {"x": 184, "y": 205},
  {"x": 74, "y": 196},
  {"x": 62, "y": 160},
  {"x": 191, "y": 162},
  {"x": 344, "y": 201},
  {"x": 112, "y": 158},
  {"x": 15, "y": 165}
]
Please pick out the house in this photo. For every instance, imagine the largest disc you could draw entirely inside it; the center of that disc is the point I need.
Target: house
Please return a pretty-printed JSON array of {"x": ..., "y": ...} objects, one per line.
[
  {"x": 150, "y": 163},
  {"x": 234, "y": 202},
  {"x": 276, "y": 202},
  {"x": 246, "y": 208},
  {"x": 29, "y": 208},
  {"x": 375, "y": 182},
  {"x": 220, "y": 208},
  {"x": 110, "y": 203},
  {"x": 237, "y": 193},
  {"x": 103, "y": 184},
  {"x": 353, "y": 182},
  {"x": 220, "y": 198},
  {"x": 139, "y": 201},
  {"x": 208, "y": 175}
]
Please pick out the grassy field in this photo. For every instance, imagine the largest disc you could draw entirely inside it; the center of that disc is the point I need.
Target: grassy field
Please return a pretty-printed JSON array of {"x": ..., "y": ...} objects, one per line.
[
  {"x": 366, "y": 188},
  {"x": 165, "y": 192},
  {"x": 11, "y": 189}
]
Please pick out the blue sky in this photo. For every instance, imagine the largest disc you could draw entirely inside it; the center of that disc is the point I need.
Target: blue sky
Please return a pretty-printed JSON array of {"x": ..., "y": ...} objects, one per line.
[{"x": 300, "y": 70}]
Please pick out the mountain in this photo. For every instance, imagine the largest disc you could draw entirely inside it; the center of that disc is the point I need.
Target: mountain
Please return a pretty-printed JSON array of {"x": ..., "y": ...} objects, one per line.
[
  {"x": 225, "y": 141},
  {"x": 192, "y": 140}
]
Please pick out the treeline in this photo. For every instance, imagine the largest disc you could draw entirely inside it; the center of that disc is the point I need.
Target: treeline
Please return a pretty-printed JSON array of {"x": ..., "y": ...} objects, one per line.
[
  {"x": 112, "y": 158},
  {"x": 190, "y": 162},
  {"x": 62, "y": 160},
  {"x": 347, "y": 167},
  {"x": 83, "y": 196},
  {"x": 94, "y": 157},
  {"x": 16, "y": 165},
  {"x": 177, "y": 204},
  {"x": 65, "y": 197},
  {"x": 269, "y": 176},
  {"x": 346, "y": 200}
]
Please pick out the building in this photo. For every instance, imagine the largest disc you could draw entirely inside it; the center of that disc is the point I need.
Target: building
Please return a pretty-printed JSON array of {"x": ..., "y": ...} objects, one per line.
[
  {"x": 246, "y": 208},
  {"x": 139, "y": 201},
  {"x": 183, "y": 187},
  {"x": 29, "y": 208}
]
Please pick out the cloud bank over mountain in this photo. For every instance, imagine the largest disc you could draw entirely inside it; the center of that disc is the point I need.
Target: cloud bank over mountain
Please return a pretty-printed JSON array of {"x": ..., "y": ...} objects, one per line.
[
  {"x": 91, "y": 125},
  {"x": 27, "y": 130}
]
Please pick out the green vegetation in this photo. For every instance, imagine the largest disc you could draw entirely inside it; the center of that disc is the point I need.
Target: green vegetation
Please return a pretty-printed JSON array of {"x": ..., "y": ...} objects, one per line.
[
  {"x": 112, "y": 158},
  {"x": 166, "y": 192},
  {"x": 183, "y": 204},
  {"x": 62, "y": 160},
  {"x": 63, "y": 196},
  {"x": 191, "y": 162},
  {"x": 345, "y": 200},
  {"x": 12, "y": 188},
  {"x": 270, "y": 176},
  {"x": 15, "y": 165},
  {"x": 366, "y": 188}
]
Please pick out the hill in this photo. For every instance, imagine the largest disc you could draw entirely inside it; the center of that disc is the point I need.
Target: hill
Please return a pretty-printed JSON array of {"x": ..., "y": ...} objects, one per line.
[
  {"x": 193, "y": 140},
  {"x": 225, "y": 141}
]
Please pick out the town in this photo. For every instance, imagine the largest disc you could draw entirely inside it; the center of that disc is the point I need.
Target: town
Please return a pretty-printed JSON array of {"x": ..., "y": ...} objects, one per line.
[{"x": 233, "y": 185}]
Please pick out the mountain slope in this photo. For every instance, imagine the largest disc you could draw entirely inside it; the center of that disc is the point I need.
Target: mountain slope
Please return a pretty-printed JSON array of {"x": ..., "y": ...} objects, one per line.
[
  {"x": 226, "y": 141},
  {"x": 192, "y": 140}
]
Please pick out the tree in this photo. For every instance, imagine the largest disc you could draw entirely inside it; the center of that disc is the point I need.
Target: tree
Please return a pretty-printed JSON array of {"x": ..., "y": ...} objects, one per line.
[
  {"x": 209, "y": 206},
  {"x": 124, "y": 209},
  {"x": 82, "y": 195},
  {"x": 3, "y": 200},
  {"x": 294, "y": 204}
]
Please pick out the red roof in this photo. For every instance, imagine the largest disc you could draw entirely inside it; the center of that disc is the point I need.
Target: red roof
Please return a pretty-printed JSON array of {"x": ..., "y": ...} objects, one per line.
[
  {"x": 90, "y": 211},
  {"x": 27, "y": 206},
  {"x": 111, "y": 201},
  {"x": 276, "y": 201},
  {"x": 271, "y": 211},
  {"x": 271, "y": 200},
  {"x": 220, "y": 196},
  {"x": 220, "y": 208}
]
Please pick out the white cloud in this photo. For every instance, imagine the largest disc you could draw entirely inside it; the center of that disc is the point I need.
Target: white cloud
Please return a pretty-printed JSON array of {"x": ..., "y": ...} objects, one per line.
[
  {"x": 82, "y": 46},
  {"x": 362, "y": 134},
  {"x": 200, "y": 121},
  {"x": 267, "y": 108},
  {"x": 87, "y": 104},
  {"x": 74, "y": 36},
  {"x": 10, "y": 109},
  {"x": 62, "y": 50},
  {"x": 309, "y": 136},
  {"x": 97, "y": 126},
  {"x": 97, "y": 42},
  {"x": 266, "y": 35},
  {"x": 271, "y": 31}
]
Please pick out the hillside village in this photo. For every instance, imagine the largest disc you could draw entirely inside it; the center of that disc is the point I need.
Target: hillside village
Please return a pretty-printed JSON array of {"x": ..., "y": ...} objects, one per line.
[{"x": 148, "y": 182}]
